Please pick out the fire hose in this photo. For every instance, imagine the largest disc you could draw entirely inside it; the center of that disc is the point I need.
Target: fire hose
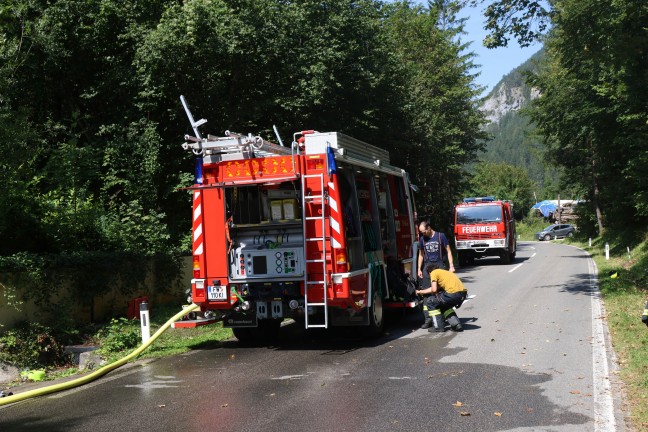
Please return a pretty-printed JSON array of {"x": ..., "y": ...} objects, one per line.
[{"x": 99, "y": 372}]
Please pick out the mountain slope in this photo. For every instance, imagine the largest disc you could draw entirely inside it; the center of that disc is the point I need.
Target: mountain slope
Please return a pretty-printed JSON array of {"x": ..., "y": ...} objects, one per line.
[{"x": 513, "y": 139}]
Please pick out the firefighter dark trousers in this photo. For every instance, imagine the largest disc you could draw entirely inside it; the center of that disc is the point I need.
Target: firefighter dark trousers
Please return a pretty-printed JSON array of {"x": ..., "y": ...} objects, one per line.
[{"x": 440, "y": 307}]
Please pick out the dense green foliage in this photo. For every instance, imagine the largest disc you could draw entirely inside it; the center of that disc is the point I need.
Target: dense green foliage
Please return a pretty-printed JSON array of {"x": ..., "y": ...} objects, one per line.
[
  {"x": 504, "y": 181},
  {"x": 439, "y": 102},
  {"x": 90, "y": 118},
  {"x": 31, "y": 345},
  {"x": 592, "y": 114},
  {"x": 118, "y": 336}
]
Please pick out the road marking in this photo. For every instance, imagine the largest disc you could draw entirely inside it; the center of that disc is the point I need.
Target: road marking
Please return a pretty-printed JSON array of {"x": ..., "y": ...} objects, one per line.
[
  {"x": 289, "y": 377},
  {"x": 515, "y": 268},
  {"x": 603, "y": 405},
  {"x": 154, "y": 384}
]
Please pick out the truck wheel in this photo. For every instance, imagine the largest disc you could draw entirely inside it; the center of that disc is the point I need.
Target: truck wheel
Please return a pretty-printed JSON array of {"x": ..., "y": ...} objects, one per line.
[
  {"x": 376, "y": 318},
  {"x": 505, "y": 257},
  {"x": 267, "y": 329},
  {"x": 245, "y": 334},
  {"x": 463, "y": 259}
]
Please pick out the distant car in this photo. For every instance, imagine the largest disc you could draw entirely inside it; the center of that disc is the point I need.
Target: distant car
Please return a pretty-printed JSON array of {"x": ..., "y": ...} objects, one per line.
[{"x": 556, "y": 230}]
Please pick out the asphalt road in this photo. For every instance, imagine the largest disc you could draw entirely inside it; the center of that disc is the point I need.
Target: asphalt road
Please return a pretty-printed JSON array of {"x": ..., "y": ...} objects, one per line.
[{"x": 534, "y": 356}]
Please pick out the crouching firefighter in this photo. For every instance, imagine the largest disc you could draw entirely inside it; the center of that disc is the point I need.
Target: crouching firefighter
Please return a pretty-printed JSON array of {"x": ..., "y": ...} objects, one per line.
[{"x": 445, "y": 293}]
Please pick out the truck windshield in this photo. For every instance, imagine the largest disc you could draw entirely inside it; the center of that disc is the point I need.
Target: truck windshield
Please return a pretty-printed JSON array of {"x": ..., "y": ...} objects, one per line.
[{"x": 479, "y": 214}]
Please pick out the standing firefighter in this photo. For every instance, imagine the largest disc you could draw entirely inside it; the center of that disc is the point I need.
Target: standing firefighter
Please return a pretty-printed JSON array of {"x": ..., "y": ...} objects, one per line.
[
  {"x": 644, "y": 317},
  {"x": 446, "y": 292}
]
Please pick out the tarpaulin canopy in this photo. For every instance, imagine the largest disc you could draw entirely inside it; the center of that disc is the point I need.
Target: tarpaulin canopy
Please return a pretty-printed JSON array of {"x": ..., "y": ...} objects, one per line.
[{"x": 545, "y": 207}]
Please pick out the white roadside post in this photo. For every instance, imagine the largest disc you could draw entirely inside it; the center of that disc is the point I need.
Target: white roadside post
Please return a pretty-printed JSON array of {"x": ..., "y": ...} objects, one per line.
[
  {"x": 607, "y": 251},
  {"x": 144, "y": 320}
]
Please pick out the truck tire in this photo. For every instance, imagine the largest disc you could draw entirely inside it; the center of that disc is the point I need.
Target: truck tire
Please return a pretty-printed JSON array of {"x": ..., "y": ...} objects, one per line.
[
  {"x": 376, "y": 316},
  {"x": 505, "y": 257},
  {"x": 245, "y": 334},
  {"x": 266, "y": 330},
  {"x": 463, "y": 258}
]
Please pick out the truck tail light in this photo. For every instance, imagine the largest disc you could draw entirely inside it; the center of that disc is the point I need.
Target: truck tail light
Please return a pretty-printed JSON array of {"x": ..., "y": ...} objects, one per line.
[
  {"x": 341, "y": 262},
  {"x": 196, "y": 267}
]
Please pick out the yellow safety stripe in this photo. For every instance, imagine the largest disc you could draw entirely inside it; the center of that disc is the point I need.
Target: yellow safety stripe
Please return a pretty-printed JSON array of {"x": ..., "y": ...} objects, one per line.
[{"x": 434, "y": 312}]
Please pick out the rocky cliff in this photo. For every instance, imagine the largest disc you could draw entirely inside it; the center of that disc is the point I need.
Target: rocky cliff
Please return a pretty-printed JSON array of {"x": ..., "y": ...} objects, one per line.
[
  {"x": 511, "y": 93},
  {"x": 504, "y": 99}
]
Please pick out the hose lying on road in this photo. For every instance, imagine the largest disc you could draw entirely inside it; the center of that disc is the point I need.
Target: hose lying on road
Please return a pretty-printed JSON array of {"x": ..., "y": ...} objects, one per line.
[{"x": 99, "y": 372}]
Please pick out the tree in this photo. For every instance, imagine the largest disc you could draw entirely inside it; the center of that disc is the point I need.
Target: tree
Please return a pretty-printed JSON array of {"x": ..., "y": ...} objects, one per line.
[
  {"x": 526, "y": 20},
  {"x": 591, "y": 114},
  {"x": 504, "y": 181},
  {"x": 439, "y": 100},
  {"x": 91, "y": 124}
]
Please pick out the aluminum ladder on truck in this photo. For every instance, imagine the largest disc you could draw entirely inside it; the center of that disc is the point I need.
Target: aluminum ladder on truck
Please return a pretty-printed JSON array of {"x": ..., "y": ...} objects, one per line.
[{"x": 313, "y": 239}]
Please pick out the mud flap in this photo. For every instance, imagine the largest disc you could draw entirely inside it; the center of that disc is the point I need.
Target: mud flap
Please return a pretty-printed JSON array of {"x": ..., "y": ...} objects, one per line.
[{"x": 240, "y": 320}]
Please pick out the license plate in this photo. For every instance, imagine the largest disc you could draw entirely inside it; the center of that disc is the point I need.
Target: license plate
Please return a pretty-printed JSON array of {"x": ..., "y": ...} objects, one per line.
[{"x": 216, "y": 292}]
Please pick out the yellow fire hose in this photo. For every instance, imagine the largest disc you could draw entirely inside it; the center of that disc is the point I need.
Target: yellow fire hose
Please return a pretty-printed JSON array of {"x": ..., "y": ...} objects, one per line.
[{"x": 99, "y": 372}]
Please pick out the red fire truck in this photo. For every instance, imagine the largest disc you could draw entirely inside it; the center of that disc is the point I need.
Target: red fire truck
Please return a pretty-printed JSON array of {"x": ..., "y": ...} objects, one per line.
[
  {"x": 484, "y": 227},
  {"x": 321, "y": 231}
]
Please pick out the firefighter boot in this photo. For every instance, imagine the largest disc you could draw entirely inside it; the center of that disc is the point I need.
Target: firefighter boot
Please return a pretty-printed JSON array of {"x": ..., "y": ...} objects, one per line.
[
  {"x": 453, "y": 320},
  {"x": 437, "y": 320},
  {"x": 428, "y": 319}
]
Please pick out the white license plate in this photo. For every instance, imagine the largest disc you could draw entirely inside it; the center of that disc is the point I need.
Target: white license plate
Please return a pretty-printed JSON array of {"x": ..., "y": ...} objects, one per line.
[{"x": 216, "y": 292}]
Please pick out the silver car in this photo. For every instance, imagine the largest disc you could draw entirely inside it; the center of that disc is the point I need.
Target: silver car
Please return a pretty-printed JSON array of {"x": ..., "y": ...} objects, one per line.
[{"x": 556, "y": 231}]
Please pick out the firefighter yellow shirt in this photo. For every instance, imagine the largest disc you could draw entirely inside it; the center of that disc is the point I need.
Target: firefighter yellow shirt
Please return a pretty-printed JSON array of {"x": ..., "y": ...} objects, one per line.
[{"x": 447, "y": 281}]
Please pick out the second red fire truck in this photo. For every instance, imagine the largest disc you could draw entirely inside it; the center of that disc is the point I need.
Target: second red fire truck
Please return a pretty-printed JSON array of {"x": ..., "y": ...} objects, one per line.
[
  {"x": 484, "y": 226},
  {"x": 321, "y": 231}
]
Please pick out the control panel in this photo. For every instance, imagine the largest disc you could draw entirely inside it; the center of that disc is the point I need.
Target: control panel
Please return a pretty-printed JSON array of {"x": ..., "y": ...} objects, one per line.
[{"x": 249, "y": 263}]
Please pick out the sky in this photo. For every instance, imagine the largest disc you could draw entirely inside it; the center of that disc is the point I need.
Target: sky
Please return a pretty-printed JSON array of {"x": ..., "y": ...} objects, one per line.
[{"x": 495, "y": 63}]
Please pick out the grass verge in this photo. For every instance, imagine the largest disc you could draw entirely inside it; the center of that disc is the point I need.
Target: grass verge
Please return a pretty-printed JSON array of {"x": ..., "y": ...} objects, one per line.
[
  {"x": 173, "y": 341},
  {"x": 624, "y": 297}
]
